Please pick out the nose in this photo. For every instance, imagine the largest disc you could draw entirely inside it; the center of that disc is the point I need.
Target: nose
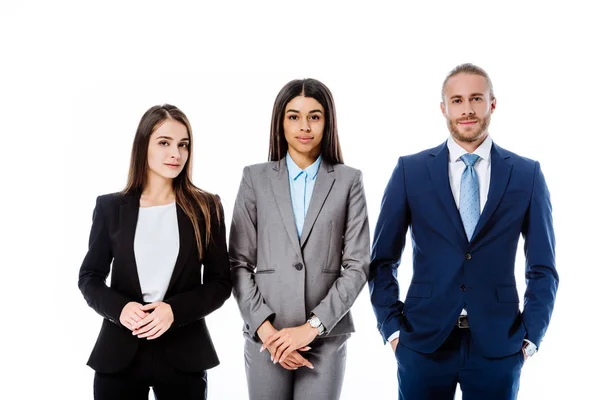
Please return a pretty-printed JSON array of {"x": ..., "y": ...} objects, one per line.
[
  {"x": 176, "y": 155},
  {"x": 305, "y": 126},
  {"x": 468, "y": 109}
]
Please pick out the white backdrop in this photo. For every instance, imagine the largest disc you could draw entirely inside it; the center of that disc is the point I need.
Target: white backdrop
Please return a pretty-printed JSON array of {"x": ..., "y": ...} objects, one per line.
[{"x": 75, "y": 79}]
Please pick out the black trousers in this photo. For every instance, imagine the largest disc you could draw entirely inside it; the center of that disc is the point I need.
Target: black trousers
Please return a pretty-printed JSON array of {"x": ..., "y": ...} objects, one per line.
[{"x": 150, "y": 368}]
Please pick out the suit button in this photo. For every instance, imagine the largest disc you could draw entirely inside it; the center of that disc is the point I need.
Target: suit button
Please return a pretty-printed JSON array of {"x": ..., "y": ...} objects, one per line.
[
  {"x": 298, "y": 266},
  {"x": 468, "y": 256},
  {"x": 463, "y": 288},
  {"x": 247, "y": 326}
]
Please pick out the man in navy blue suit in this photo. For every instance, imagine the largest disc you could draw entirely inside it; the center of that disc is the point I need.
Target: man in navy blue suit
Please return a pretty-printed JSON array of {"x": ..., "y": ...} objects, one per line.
[{"x": 467, "y": 201}]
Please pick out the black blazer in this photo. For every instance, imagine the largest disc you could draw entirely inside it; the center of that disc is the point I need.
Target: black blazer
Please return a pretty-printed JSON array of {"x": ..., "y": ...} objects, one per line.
[{"x": 187, "y": 342}]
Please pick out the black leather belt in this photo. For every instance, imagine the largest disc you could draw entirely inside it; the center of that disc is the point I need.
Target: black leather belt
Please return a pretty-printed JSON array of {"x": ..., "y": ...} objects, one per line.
[{"x": 463, "y": 322}]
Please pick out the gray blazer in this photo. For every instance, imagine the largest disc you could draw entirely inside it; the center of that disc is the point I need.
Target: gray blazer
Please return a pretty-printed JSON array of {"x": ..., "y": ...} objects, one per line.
[{"x": 286, "y": 279}]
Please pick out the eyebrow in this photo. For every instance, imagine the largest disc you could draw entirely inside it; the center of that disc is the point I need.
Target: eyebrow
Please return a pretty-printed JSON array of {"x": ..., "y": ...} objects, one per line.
[
  {"x": 458, "y": 96},
  {"x": 170, "y": 138},
  {"x": 310, "y": 112}
]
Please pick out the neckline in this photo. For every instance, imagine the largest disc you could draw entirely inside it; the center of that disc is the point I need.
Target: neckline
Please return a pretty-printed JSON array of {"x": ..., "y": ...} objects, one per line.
[{"x": 159, "y": 206}]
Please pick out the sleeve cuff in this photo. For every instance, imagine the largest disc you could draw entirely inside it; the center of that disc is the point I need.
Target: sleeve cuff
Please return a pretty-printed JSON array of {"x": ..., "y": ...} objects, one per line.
[
  {"x": 393, "y": 336},
  {"x": 263, "y": 314}
]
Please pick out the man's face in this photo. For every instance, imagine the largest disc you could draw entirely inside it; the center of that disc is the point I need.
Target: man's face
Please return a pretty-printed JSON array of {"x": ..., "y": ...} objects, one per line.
[{"x": 468, "y": 107}]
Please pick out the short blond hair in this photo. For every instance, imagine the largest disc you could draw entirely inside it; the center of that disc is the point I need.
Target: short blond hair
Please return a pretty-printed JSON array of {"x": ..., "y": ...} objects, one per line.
[{"x": 472, "y": 69}]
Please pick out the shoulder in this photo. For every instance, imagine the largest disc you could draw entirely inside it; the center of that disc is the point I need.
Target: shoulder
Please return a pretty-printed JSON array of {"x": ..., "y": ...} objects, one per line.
[
  {"x": 262, "y": 168},
  {"x": 424, "y": 155},
  {"x": 346, "y": 171},
  {"x": 112, "y": 200},
  {"x": 521, "y": 162},
  {"x": 347, "y": 175}
]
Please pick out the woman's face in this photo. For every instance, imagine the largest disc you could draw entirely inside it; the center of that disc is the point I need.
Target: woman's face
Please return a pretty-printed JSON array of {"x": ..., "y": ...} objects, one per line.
[
  {"x": 168, "y": 149},
  {"x": 303, "y": 126}
]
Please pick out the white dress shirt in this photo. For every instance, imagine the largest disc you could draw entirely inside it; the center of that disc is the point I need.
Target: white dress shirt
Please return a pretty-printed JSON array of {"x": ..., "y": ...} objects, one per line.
[
  {"x": 156, "y": 247},
  {"x": 456, "y": 168}
]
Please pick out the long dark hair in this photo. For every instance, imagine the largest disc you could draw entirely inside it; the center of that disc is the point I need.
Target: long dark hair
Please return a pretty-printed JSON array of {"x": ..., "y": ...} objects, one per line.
[
  {"x": 330, "y": 146},
  {"x": 189, "y": 197}
]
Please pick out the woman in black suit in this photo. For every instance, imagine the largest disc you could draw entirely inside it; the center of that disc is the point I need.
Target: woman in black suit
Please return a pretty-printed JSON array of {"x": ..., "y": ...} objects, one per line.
[{"x": 158, "y": 233}]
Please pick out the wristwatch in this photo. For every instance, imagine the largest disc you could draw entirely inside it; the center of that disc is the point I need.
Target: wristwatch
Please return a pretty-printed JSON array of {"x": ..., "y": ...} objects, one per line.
[
  {"x": 530, "y": 349},
  {"x": 315, "y": 322}
]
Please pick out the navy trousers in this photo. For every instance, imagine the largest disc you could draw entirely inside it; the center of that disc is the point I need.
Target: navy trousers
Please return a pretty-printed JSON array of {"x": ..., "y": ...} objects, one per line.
[{"x": 458, "y": 361}]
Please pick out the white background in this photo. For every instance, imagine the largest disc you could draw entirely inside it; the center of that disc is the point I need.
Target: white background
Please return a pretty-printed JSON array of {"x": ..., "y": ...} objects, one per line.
[{"x": 75, "y": 78}]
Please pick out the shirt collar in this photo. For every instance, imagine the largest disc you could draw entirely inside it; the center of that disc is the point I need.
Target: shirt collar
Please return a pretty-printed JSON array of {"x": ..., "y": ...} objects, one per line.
[
  {"x": 295, "y": 171},
  {"x": 456, "y": 151}
]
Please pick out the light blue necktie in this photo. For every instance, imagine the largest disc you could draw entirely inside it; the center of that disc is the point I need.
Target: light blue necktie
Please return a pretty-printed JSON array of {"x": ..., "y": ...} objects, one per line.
[{"x": 469, "y": 194}]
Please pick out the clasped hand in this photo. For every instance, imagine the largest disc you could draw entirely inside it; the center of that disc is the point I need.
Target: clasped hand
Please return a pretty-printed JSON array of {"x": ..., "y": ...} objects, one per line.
[
  {"x": 147, "y": 321},
  {"x": 285, "y": 344}
]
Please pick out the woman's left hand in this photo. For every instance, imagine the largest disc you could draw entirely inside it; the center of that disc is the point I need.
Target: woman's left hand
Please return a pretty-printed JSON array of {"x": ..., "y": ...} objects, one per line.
[
  {"x": 156, "y": 323},
  {"x": 289, "y": 339}
]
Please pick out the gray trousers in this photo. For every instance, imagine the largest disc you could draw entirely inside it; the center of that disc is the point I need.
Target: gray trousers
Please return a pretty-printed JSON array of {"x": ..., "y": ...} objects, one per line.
[{"x": 268, "y": 381}]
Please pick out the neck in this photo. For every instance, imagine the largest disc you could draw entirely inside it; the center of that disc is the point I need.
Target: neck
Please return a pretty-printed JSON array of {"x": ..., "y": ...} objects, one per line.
[
  {"x": 158, "y": 190},
  {"x": 304, "y": 160},
  {"x": 471, "y": 146}
]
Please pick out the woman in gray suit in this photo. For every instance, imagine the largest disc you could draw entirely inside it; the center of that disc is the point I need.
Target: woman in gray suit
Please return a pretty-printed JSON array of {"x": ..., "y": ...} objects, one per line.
[{"x": 299, "y": 251}]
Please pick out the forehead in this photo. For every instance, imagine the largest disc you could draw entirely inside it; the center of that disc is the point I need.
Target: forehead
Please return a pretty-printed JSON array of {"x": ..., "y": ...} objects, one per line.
[
  {"x": 302, "y": 103},
  {"x": 466, "y": 84},
  {"x": 173, "y": 129}
]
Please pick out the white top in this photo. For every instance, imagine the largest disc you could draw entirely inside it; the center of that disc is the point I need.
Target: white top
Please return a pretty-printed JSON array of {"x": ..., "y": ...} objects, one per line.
[
  {"x": 456, "y": 168},
  {"x": 156, "y": 247}
]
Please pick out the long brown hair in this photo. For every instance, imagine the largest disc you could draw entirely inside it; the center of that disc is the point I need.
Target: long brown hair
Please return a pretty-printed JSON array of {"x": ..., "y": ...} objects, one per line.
[
  {"x": 330, "y": 146},
  {"x": 189, "y": 197}
]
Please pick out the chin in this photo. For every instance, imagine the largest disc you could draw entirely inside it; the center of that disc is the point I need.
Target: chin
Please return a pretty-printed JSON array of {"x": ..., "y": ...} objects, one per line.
[{"x": 170, "y": 174}]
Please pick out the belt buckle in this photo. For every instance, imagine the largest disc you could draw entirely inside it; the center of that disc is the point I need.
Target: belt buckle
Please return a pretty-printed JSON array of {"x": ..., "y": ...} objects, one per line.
[{"x": 462, "y": 322}]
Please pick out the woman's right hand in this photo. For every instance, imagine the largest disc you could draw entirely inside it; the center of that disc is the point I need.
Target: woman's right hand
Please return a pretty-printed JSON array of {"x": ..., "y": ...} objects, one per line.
[
  {"x": 294, "y": 360},
  {"x": 131, "y": 313}
]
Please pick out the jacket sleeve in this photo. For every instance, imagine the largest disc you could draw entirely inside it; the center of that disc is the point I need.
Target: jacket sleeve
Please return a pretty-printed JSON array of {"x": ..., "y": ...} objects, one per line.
[
  {"x": 540, "y": 266},
  {"x": 242, "y": 253},
  {"x": 388, "y": 245},
  {"x": 95, "y": 268},
  {"x": 197, "y": 303},
  {"x": 355, "y": 260}
]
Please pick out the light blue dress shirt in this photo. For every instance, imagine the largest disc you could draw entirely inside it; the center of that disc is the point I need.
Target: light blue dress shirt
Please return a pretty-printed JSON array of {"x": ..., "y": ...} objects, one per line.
[{"x": 302, "y": 183}]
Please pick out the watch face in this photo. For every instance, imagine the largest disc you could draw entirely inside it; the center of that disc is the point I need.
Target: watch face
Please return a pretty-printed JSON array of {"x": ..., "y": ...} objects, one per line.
[
  {"x": 529, "y": 350},
  {"x": 314, "y": 322}
]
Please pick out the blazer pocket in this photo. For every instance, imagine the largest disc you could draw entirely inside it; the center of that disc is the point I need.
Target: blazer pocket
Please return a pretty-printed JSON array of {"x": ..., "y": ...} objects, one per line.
[
  {"x": 420, "y": 290},
  {"x": 507, "y": 294},
  {"x": 263, "y": 271}
]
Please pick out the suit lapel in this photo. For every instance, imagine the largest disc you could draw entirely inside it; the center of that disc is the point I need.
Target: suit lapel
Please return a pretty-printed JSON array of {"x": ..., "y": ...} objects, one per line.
[
  {"x": 128, "y": 216},
  {"x": 321, "y": 190},
  {"x": 186, "y": 241},
  {"x": 438, "y": 170},
  {"x": 281, "y": 192},
  {"x": 500, "y": 175}
]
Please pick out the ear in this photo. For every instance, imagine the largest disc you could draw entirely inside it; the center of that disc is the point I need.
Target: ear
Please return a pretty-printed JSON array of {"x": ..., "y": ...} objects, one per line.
[
  {"x": 493, "y": 106},
  {"x": 443, "y": 109}
]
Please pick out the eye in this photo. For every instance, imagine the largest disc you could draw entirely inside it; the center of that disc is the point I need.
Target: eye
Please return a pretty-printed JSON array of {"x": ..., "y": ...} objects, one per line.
[
  {"x": 456, "y": 101},
  {"x": 163, "y": 143},
  {"x": 315, "y": 117},
  {"x": 293, "y": 117},
  {"x": 184, "y": 144},
  {"x": 477, "y": 98}
]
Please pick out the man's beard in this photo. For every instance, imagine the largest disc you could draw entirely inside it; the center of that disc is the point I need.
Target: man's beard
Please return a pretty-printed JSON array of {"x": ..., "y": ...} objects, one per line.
[{"x": 474, "y": 135}]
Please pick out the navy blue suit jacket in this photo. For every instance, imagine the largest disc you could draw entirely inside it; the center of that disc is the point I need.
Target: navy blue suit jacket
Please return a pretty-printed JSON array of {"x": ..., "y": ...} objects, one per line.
[{"x": 449, "y": 272}]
